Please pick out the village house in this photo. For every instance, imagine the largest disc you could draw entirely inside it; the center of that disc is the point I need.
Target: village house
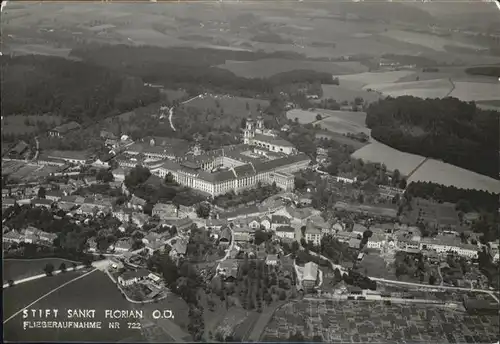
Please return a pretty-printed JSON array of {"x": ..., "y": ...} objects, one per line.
[
  {"x": 313, "y": 234},
  {"x": 494, "y": 250},
  {"x": 215, "y": 224},
  {"x": 243, "y": 234},
  {"x": 12, "y": 237},
  {"x": 354, "y": 243},
  {"x": 165, "y": 211},
  {"x": 54, "y": 195},
  {"x": 376, "y": 241},
  {"x": 285, "y": 232},
  {"x": 122, "y": 245},
  {"x": 41, "y": 202},
  {"x": 228, "y": 268},
  {"x": 129, "y": 278},
  {"x": 139, "y": 219},
  {"x": 225, "y": 236},
  {"x": 64, "y": 129},
  {"x": 266, "y": 222},
  {"x": 179, "y": 249},
  {"x": 137, "y": 203},
  {"x": 272, "y": 259},
  {"x": 8, "y": 202},
  {"x": 123, "y": 214},
  {"x": 120, "y": 173},
  {"x": 279, "y": 221}
]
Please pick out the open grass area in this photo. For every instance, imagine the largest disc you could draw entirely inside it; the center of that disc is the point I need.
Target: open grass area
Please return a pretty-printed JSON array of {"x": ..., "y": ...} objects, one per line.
[
  {"x": 94, "y": 292},
  {"x": 341, "y": 94},
  {"x": 375, "y": 265},
  {"x": 269, "y": 67},
  {"x": 19, "y": 124},
  {"x": 303, "y": 116},
  {"x": 344, "y": 122},
  {"x": 437, "y": 88},
  {"x": 358, "y": 81},
  {"x": 354, "y": 321},
  {"x": 476, "y": 91},
  {"x": 392, "y": 158},
  {"x": 232, "y": 106},
  {"x": 328, "y": 135},
  {"x": 21, "y": 268},
  {"x": 450, "y": 175}
]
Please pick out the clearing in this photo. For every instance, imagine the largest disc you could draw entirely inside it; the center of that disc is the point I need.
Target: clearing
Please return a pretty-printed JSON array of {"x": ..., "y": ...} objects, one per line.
[
  {"x": 358, "y": 81},
  {"x": 392, "y": 158},
  {"x": 446, "y": 174},
  {"x": 233, "y": 106},
  {"x": 303, "y": 116},
  {"x": 268, "y": 67},
  {"x": 438, "y": 88},
  {"x": 341, "y": 94},
  {"x": 476, "y": 91},
  {"x": 344, "y": 122},
  {"x": 21, "y": 268}
]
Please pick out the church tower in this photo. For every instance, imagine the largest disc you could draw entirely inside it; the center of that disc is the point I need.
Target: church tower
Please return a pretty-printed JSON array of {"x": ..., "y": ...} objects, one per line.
[
  {"x": 260, "y": 124},
  {"x": 249, "y": 132}
]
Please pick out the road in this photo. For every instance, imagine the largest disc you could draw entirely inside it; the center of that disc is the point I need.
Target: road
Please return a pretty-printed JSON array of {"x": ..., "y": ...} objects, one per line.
[
  {"x": 37, "y": 149},
  {"x": 32, "y": 278},
  {"x": 171, "y": 111},
  {"x": 230, "y": 248}
]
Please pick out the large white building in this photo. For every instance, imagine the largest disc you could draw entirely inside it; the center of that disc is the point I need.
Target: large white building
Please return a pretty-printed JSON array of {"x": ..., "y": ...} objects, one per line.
[{"x": 258, "y": 135}]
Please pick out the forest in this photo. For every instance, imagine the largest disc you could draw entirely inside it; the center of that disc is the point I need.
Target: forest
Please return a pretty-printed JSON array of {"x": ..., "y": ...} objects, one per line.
[
  {"x": 446, "y": 129},
  {"x": 79, "y": 91}
]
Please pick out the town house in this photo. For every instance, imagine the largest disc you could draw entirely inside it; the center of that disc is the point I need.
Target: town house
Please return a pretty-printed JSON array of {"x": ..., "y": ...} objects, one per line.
[
  {"x": 285, "y": 232},
  {"x": 279, "y": 221},
  {"x": 313, "y": 234}
]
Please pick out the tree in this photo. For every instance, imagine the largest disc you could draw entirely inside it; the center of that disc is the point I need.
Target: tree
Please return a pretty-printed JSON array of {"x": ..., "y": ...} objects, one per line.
[
  {"x": 282, "y": 295},
  {"x": 169, "y": 178},
  {"x": 247, "y": 106},
  {"x": 74, "y": 266},
  {"x": 300, "y": 183},
  {"x": 203, "y": 210},
  {"x": 11, "y": 283},
  {"x": 318, "y": 117},
  {"x": 62, "y": 267},
  {"x": 48, "y": 269},
  {"x": 432, "y": 279},
  {"x": 42, "y": 192},
  {"x": 104, "y": 176}
]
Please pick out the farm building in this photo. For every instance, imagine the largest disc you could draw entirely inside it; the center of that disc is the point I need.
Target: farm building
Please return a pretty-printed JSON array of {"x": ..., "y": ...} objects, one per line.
[{"x": 64, "y": 129}]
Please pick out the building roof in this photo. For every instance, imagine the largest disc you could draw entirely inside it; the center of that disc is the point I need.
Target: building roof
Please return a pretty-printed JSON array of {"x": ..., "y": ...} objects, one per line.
[
  {"x": 225, "y": 234},
  {"x": 279, "y": 219},
  {"x": 272, "y": 257},
  {"x": 42, "y": 201},
  {"x": 128, "y": 275},
  {"x": 310, "y": 271},
  {"x": 20, "y": 147},
  {"x": 180, "y": 246},
  {"x": 74, "y": 155},
  {"x": 287, "y": 229},
  {"x": 67, "y": 127},
  {"x": 277, "y": 141}
]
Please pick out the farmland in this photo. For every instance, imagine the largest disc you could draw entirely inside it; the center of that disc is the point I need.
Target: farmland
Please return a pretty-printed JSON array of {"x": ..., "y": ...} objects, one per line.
[
  {"x": 303, "y": 116},
  {"x": 392, "y": 158},
  {"x": 449, "y": 175},
  {"x": 469, "y": 91},
  {"x": 344, "y": 122},
  {"x": 358, "y": 81},
  {"x": 350, "y": 321},
  {"x": 21, "y": 268},
  {"x": 437, "y": 88},
  {"x": 19, "y": 124},
  {"x": 95, "y": 291},
  {"x": 232, "y": 106},
  {"x": 342, "y": 139},
  {"x": 341, "y": 94},
  {"x": 26, "y": 171},
  {"x": 267, "y": 67}
]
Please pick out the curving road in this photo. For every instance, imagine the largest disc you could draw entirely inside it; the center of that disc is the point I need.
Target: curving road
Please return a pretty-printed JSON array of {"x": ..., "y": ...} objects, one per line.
[{"x": 171, "y": 111}]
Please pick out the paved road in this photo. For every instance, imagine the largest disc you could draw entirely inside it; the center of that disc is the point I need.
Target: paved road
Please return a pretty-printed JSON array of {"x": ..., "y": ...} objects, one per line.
[{"x": 32, "y": 278}]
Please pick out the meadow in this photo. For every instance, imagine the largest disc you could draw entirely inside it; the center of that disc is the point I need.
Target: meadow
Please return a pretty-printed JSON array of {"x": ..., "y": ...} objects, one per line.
[
  {"x": 20, "y": 124},
  {"x": 437, "y": 88},
  {"x": 476, "y": 91},
  {"x": 341, "y": 94},
  {"x": 21, "y": 268},
  {"x": 358, "y": 81},
  {"x": 449, "y": 175},
  {"x": 95, "y": 291},
  {"x": 303, "y": 116},
  {"x": 233, "y": 106},
  {"x": 344, "y": 122},
  {"x": 344, "y": 140},
  {"x": 394, "y": 159},
  {"x": 269, "y": 67}
]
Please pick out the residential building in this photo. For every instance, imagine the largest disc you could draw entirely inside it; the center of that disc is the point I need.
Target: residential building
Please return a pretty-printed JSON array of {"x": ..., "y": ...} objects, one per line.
[
  {"x": 272, "y": 259},
  {"x": 225, "y": 236},
  {"x": 64, "y": 129},
  {"x": 228, "y": 268},
  {"x": 310, "y": 276},
  {"x": 165, "y": 211},
  {"x": 139, "y": 219},
  {"x": 41, "y": 202},
  {"x": 72, "y": 157},
  {"x": 137, "y": 203},
  {"x": 129, "y": 278},
  {"x": 279, "y": 221},
  {"x": 123, "y": 245},
  {"x": 120, "y": 173},
  {"x": 54, "y": 195},
  {"x": 8, "y": 202},
  {"x": 243, "y": 234},
  {"x": 123, "y": 214},
  {"x": 92, "y": 245},
  {"x": 12, "y": 237},
  {"x": 313, "y": 234},
  {"x": 179, "y": 249},
  {"x": 258, "y": 135},
  {"x": 446, "y": 244},
  {"x": 285, "y": 232}
]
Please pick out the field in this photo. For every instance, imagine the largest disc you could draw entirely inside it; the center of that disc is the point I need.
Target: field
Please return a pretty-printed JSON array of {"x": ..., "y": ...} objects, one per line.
[
  {"x": 303, "y": 116},
  {"x": 38, "y": 49},
  {"x": 469, "y": 91},
  {"x": 25, "y": 171},
  {"x": 437, "y": 88},
  {"x": 233, "y": 106},
  {"x": 392, "y": 158},
  {"x": 429, "y": 41},
  {"x": 19, "y": 124},
  {"x": 341, "y": 94},
  {"x": 447, "y": 174},
  {"x": 344, "y": 140},
  {"x": 173, "y": 94},
  {"x": 268, "y": 67},
  {"x": 344, "y": 122},
  {"x": 441, "y": 213},
  {"x": 351, "y": 321},
  {"x": 21, "y": 268},
  {"x": 358, "y": 81},
  {"x": 95, "y": 291},
  {"x": 375, "y": 265}
]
